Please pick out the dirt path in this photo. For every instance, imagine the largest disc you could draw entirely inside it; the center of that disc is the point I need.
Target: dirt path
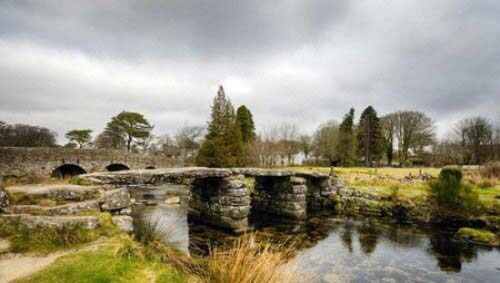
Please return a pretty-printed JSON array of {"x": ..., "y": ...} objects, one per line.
[{"x": 16, "y": 266}]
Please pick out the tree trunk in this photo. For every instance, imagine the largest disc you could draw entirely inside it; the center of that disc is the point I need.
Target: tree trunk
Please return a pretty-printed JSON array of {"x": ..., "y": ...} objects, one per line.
[{"x": 129, "y": 143}]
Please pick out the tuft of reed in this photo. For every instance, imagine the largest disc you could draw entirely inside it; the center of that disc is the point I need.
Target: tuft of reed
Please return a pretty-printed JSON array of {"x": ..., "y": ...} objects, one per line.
[{"x": 247, "y": 261}]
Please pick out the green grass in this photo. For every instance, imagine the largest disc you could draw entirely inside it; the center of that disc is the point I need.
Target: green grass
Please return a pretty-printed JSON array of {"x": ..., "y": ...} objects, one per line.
[{"x": 103, "y": 265}]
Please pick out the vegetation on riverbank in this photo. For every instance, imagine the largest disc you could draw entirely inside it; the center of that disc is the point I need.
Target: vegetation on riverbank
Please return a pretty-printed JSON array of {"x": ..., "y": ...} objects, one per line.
[
  {"x": 105, "y": 265},
  {"x": 144, "y": 257},
  {"x": 412, "y": 184},
  {"x": 47, "y": 239},
  {"x": 478, "y": 236}
]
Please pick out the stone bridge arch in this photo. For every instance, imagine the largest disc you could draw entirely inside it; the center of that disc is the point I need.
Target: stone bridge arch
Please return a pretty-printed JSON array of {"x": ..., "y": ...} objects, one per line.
[
  {"x": 117, "y": 167},
  {"x": 67, "y": 170},
  {"x": 18, "y": 161}
]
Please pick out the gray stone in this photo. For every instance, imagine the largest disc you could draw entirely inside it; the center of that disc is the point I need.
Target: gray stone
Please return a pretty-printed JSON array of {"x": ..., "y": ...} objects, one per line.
[
  {"x": 156, "y": 176},
  {"x": 173, "y": 200},
  {"x": 297, "y": 181},
  {"x": 299, "y": 189},
  {"x": 67, "y": 209},
  {"x": 115, "y": 200},
  {"x": 31, "y": 221},
  {"x": 124, "y": 223},
  {"x": 4, "y": 199},
  {"x": 25, "y": 194}
]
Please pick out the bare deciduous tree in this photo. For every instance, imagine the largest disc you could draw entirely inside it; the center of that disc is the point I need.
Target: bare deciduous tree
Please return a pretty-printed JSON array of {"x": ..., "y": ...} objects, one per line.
[
  {"x": 414, "y": 131},
  {"x": 474, "y": 135}
]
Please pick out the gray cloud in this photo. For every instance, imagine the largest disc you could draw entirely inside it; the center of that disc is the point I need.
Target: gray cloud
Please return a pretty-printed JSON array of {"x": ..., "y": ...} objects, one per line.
[{"x": 76, "y": 63}]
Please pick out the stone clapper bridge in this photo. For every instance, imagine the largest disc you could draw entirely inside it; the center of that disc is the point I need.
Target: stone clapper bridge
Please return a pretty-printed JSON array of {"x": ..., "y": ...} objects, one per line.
[{"x": 225, "y": 197}]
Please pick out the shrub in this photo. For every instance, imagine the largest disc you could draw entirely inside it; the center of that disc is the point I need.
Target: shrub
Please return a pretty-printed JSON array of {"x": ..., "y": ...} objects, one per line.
[
  {"x": 450, "y": 192},
  {"x": 491, "y": 170}
]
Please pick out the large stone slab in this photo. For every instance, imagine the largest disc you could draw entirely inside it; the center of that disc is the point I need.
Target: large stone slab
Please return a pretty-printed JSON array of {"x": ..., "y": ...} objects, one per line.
[
  {"x": 29, "y": 194},
  {"x": 31, "y": 221},
  {"x": 155, "y": 176},
  {"x": 67, "y": 209}
]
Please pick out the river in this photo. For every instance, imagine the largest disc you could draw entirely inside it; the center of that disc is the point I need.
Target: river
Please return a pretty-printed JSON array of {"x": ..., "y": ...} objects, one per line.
[{"x": 332, "y": 248}]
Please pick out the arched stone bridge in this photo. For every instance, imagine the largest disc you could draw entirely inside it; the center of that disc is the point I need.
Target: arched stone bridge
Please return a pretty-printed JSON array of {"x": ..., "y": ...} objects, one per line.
[
  {"x": 60, "y": 162},
  {"x": 226, "y": 197}
]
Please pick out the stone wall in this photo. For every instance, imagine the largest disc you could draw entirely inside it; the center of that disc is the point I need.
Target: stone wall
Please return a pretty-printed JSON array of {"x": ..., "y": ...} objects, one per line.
[{"x": 43, "y": 161}]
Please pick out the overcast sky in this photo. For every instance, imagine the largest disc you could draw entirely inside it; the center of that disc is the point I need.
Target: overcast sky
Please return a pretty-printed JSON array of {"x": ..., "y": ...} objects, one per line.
[{"x": 74, "y": 64}]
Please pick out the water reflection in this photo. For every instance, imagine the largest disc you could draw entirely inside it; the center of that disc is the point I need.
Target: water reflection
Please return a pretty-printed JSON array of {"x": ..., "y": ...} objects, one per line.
[{"x": 340, "y": 249}]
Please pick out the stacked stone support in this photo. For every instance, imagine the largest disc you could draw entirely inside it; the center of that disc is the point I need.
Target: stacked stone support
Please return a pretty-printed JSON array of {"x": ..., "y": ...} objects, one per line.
[
  {"x": 281, "y": 196},
  {"x": 320, "y": 192},
  {"x": 222, "y": 202}
]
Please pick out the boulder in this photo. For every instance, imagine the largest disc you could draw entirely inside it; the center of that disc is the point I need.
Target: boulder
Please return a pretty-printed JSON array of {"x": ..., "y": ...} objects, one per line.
[
  {"x": 124, "y": 223},
  {"x": 115, "y": 200}
]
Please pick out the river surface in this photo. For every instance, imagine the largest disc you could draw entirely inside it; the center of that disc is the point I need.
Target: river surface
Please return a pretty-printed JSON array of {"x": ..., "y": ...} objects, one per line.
[{"x": 339, "y": 249}]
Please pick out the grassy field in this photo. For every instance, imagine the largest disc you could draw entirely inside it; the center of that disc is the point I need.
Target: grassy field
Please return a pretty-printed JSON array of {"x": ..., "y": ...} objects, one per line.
[{"x": 410, "y": 183}]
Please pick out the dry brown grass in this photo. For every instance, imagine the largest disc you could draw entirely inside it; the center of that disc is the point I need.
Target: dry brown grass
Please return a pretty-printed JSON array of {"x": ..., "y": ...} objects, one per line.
[
  {"x": 248, "y": 261},
  {"x": 491, "y": 170}
]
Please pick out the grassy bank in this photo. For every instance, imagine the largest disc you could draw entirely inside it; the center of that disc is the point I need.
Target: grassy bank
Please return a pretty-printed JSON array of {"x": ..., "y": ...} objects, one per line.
[
  {"x": 105, "y": 265},
  {"x": 47, "y": 239},
  {"x": 410, "y": 183}
]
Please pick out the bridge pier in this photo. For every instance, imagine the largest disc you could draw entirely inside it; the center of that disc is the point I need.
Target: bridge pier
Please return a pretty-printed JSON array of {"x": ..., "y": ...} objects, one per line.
[
  {"x": 281, "y": 196},
  {"x": 320, "y": 191},
  {"x": 221, "y": 201}
]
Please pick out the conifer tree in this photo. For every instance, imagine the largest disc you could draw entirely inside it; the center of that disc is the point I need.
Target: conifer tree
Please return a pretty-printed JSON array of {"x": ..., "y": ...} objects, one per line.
[
  {"x": 223, "y": 145},
  {"x": 369, "y": 136},
  {"x": 346, "y": 146},
  {"x": 246, "y": 124}
]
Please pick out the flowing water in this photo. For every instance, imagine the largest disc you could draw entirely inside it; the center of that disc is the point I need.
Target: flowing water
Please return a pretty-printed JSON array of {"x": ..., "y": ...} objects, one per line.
[{"x": 339, "y": 249}]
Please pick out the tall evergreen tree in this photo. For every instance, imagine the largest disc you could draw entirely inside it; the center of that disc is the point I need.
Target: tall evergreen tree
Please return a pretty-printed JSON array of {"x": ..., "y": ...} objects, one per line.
[
  {"x": 369, "y": 136},
  {"x": 346, "y": 146},
  {"x": 246, "y": 124},
  {"x": 223, "y": 145}
]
